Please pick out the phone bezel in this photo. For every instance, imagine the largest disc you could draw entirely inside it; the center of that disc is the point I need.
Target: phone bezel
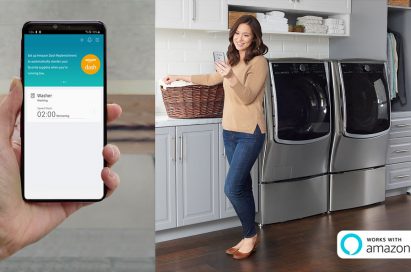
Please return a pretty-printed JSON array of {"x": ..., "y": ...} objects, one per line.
[{"x": 63, "y": 27}]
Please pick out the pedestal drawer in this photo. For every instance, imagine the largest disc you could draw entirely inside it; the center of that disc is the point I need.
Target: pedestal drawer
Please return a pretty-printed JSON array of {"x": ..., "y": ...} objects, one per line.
[
  {"x": 400, "y": 128},
  {"x": 398, "y": 175},
  {"x": 399, "y": 150}
]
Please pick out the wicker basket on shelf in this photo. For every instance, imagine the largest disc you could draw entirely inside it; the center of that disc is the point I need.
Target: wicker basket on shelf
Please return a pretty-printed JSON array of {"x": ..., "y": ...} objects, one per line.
[
  {"x": 194, "y": 101},
  {"x": 400, "y": 3}
]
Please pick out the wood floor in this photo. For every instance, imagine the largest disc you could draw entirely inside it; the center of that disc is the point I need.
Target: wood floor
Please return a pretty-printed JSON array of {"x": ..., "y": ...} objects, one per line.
[{"x": 301, "y": 245}]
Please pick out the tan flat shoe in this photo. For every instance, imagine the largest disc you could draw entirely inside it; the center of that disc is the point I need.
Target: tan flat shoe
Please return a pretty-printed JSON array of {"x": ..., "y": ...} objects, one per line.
[
  {"x": 231, "y": 250},
  {"x": 238, "y": 255}
]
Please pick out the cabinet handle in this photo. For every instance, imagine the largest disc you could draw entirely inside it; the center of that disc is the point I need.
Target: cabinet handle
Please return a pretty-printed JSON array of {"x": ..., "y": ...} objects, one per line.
[
  {"x": 180, "y": 157},
  {"x": 401, "y": 151},
  {"x": 223, "y": 152},
  {"x": 173, "y": 144},
  {"x": 194, "y": 10},
  {"x": 403, "y": 176},
  {"x": 402, "y": 125}
]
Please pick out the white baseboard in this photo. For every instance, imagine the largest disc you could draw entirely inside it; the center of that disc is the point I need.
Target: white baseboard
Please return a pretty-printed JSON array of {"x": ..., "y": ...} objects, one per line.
[{"x": 176, "y": 233}]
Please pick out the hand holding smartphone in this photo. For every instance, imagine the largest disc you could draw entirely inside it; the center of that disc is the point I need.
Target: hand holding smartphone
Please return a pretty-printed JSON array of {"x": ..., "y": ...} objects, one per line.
[{"x": 63, "y": 130}]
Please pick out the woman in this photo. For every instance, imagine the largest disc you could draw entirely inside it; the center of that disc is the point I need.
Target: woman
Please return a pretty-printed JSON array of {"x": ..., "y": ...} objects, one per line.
[{"x": 243, "y": 122}]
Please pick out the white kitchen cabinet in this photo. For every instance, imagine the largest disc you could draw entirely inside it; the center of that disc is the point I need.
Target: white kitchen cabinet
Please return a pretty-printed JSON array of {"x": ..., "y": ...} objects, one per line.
[
  {"x": 326, "y": 6},
  {"x": 190, "y": 168},
  {"x": 226, "y": 209},
  {"x": 186, "y": 182},
  {"x": 192, "y": 14},
  {"x": 171, "y": 13},
  {"x": 165, "y": 178},
  {"x": 264, "y": 4},
  {"x": 208, "y": 14},
  {"x": 399, "y": 152},
  {"x": 197, "y": 174},
  {"x": 316, "y": 6}
]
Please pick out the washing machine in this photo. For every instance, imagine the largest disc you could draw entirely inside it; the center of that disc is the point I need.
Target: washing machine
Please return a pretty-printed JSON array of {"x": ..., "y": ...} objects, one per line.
[
  {"x": 359, "y": 143},
  {"x": 293, "y": 165}
]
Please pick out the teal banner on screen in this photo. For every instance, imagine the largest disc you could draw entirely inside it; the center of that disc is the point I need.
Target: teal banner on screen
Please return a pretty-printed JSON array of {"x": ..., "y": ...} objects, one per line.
[{"x": 63, "y": 60}]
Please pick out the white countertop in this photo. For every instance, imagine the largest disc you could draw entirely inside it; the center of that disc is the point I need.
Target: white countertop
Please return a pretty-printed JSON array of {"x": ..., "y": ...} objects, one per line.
[{"x": 163, "y": 120}]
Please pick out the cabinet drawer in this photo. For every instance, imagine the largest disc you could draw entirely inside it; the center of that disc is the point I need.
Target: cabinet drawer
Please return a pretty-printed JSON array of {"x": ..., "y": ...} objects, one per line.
[
  {"x": 399, "y": 150},
  {"x": 398, "y": 175},
  {"x": 400, "y": 128}
]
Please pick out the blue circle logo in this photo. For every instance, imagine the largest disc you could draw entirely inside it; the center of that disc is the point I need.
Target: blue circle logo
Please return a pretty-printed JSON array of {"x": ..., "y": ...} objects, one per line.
[{"x": 356, "y": 237}]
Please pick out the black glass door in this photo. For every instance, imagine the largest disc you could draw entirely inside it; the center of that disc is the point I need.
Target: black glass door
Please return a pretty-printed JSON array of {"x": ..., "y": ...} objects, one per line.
[
  {"x": 366, "y": 98},
  {"x": 302, "y": 101}
]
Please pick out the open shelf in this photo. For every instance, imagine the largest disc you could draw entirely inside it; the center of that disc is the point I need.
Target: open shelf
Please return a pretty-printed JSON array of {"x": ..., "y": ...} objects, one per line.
[
  {"x": 398, "y": 8},
  {"x": 290, "y": 33}
]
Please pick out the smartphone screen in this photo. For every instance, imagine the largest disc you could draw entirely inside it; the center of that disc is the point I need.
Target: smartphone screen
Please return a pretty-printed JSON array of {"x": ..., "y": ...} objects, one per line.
[
  {"x": 219, "y": 56},
  {"x": 63, "y": 115}
]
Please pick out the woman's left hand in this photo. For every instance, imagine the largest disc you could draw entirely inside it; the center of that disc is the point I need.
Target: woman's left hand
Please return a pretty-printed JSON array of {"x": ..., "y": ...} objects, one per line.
[{"x": 224, "y": 69}]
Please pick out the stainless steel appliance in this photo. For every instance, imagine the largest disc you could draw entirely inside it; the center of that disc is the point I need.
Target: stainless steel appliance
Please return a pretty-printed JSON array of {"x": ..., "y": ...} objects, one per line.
[
  {"x": 293, "y": 180},
  {"x": 360, "y": 139}
]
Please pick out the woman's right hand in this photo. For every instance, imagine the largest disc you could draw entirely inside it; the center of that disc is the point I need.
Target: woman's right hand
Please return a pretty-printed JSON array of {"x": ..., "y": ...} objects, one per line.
[{"x": 169, "y": 79}]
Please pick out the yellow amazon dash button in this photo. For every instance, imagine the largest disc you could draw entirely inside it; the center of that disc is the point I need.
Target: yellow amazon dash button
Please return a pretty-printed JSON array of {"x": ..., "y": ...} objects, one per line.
[{"x": 90, "y": 64}]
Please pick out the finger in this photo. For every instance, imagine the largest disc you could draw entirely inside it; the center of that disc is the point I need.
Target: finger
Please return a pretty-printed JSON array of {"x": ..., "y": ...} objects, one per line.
[
  {"x": 218, "y": 64},
  {"x": 111, "y": 180},
  {"x": 111, "y": 154},
  {"x": 9, "y": 109},
  {"x": 222, "y": 63},
  {"x": 17, "y": 151},
  {"x": 113, "y": 112}
]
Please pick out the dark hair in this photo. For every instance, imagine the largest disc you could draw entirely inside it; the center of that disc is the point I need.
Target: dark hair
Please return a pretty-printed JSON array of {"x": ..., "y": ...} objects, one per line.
[{"x": 257, "y": 47}]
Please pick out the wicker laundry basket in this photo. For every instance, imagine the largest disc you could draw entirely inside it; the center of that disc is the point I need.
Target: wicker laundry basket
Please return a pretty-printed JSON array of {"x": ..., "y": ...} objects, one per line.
[
  {"x": 401, "y": 3},
  {"x": 194, "y": 101}
]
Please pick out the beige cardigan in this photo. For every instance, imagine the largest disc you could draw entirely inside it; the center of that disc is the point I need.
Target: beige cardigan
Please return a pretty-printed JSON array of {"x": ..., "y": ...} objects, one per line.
[{"x": 243, "y": 102}]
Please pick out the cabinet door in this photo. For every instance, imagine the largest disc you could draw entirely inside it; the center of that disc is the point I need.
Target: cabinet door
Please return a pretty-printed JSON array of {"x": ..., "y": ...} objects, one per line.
[
  {"x": 165, "y": 182},
  {"x": 277, "y": 4},
  {"x": 208, "y": 14},
  {"x": 197, "y": 174},
  {"x": 398, "y": 175},
  {"x": 226, "y": 209},
  {"x": 328, "y": 6},
  {"x": 171, "y": 13}
]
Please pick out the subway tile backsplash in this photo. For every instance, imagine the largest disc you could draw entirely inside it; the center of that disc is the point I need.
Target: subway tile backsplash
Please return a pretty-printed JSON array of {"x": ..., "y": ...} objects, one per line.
[{"x": 191, "y": 52}]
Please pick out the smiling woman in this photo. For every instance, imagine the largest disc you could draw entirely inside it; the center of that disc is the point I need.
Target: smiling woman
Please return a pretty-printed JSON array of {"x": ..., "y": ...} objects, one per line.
[{"x": 243, "y": 78}]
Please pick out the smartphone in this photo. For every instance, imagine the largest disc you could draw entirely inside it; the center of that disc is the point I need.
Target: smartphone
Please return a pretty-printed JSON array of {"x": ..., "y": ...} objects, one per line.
[
  {"x": 63, "y": 117},
  {"x": 219, "y": 56}
]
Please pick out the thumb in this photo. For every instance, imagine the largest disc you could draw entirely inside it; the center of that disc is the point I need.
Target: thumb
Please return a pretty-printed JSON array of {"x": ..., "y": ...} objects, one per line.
[{"x": 9, "y": 109}]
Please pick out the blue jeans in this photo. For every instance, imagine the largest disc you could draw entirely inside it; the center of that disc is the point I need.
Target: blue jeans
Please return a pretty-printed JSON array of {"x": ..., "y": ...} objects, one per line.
[{"x": 242, "y": 150}]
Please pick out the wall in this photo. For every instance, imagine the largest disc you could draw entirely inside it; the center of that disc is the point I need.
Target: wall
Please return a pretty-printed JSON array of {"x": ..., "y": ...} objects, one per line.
[
  {"x": 190, "y": 52},
  {"x": 130, "y": 37},
  {"x": 368, "y": 32}
]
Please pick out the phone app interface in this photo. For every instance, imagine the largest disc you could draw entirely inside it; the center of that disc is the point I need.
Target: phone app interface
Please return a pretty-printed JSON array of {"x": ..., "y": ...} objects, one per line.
[{"x": 64, "y": 116}]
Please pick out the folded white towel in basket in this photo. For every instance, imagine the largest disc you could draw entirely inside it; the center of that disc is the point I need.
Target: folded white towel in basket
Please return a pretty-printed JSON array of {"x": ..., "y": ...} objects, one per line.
[{"x": 177, "y": 83}]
